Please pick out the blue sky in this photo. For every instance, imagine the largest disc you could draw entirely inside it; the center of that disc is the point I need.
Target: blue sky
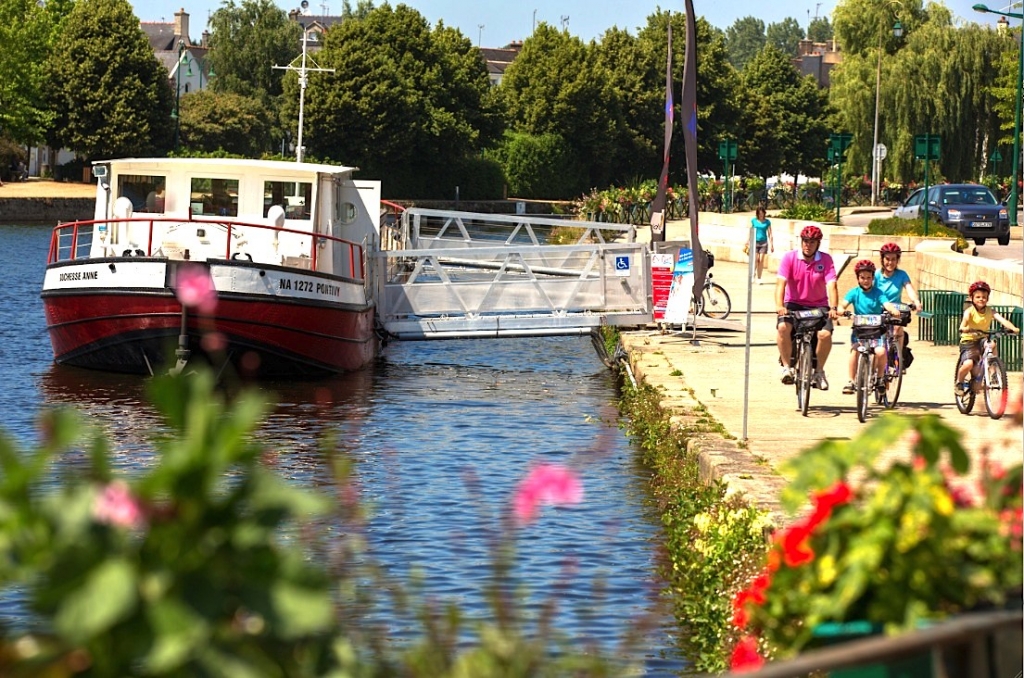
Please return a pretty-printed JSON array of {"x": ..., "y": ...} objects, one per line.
[{"x": 503, "y": 21}]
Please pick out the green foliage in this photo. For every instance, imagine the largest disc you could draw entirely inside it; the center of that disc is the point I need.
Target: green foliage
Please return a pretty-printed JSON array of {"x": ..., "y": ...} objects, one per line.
[
  {"x": 404, "y": 102},
  {"x": 786, "y": 118},
  {"x": 537, "y": 166},
  {"x": 232, "y": 123},
  {"x": 247, "y": 40},
  {"x": 893, "y": 543},
  {"x": 108, "y": 93},
  {"x": 713, "y": 543},
  {"x": 557, "y": 86},
  {"x": 25, "y": 28},
  {"x": 785, "y": 36},
  {"x": 897, "y": 226},
  {"x": 819, "y": 30},
  {"x": 744, "y": 39},
  {"x": 10, "y": 154},
  {"x": 807, "y": 211},
  {"x": 922, "y": 79}
]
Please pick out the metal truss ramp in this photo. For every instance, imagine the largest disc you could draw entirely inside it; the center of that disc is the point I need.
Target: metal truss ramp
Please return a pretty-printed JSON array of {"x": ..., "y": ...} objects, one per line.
[{"x": 464, "y": 274}]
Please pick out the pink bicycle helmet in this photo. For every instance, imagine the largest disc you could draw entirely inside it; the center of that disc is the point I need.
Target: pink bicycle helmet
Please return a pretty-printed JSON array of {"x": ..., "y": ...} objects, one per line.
[{"x": 810, "y": 233}]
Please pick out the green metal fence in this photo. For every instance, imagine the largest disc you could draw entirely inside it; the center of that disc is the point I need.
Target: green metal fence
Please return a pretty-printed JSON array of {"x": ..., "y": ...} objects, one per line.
[{"x": 939, "y": 323}]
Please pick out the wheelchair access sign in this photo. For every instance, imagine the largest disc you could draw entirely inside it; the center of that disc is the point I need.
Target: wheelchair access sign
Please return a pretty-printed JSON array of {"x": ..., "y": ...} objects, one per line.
[{"x": 622, "y": 265}]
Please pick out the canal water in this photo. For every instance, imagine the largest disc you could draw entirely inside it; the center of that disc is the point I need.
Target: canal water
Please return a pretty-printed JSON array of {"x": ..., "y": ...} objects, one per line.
[{"x": 442, "y": 431}]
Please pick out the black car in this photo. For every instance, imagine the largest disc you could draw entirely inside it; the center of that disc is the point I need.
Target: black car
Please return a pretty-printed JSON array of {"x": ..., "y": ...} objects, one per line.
[{"x": 971, "y": 209}]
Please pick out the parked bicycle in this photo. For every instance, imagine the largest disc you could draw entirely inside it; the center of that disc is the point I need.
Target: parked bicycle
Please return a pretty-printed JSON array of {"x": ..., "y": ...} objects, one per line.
[
  {"x": 806, "y": 324},
  {"x": 987, "y": 376},
  {"x": 714, "y": 301}
]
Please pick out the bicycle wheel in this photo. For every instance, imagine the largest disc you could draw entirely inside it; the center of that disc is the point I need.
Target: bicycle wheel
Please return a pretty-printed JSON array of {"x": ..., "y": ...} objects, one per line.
[
  {"x": 863, "y": 383},
  {"x": 715, "y": 302},
  {"x": 994, "y": 381},
  {"x": 893, "y": 372},
  {"x": 804, "y": 373},
  {"x": 965, "y": 402}
]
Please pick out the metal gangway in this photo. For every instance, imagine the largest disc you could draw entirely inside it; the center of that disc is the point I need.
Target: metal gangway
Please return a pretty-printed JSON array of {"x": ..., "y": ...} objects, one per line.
[{"x": 451, "y": 274}]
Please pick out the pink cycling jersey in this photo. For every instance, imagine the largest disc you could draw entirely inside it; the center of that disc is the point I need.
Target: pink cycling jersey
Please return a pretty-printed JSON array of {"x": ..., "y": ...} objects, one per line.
[{"x": 806, "y": 282}]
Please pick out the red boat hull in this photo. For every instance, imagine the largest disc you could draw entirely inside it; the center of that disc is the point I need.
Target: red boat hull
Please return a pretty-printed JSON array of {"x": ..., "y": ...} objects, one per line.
[{"x": 137, "y": 332}]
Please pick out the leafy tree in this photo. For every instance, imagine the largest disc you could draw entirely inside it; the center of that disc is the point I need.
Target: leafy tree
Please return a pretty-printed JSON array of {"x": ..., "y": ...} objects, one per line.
[
  {"x": 362, "y": 8},
  {"x": 951, "y": 93},
  {"x": 109, "y": 95},
  {"x": 718, "y": 114},
  {"x": 557, "y": 85},
  {"x": 212, "y": 121},
  {"x": 786, "y": 118},
  {"x": 26, "y": 31},
  {"x": 819, "y": 30},
  {"x": 743, "y": 40},
  {"x": 785, "y": 35},
  {"x": 403, "y": 101},
  {"x": 637, "y": 66},
  {"x": 536, "y": 166},
  {"x": 246, "y": 41}
]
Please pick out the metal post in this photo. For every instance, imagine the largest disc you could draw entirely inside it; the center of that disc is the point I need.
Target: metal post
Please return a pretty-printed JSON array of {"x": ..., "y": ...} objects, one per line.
[
  {"x": 177, "y": 95},
  {"x": 874, "y": 143},
  {"x": 927, "y": 162},
  {"x": 752, "y": 249},
  {"x": 1014, "y": 191}
]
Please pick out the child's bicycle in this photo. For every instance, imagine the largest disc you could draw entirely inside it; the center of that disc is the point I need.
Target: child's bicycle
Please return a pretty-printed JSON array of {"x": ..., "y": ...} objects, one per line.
[
  {"x": 894, "y": 367},
  {"x": 876, "y": 329},
  {"x": 988, "y": 376}
]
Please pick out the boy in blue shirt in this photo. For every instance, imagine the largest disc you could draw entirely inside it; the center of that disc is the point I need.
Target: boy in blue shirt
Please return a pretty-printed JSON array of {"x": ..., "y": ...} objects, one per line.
[{"x": 867, "y": 299}]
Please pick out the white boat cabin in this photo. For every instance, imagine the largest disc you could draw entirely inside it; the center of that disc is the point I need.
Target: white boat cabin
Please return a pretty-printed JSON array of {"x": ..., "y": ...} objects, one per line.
[{"x": 298, "y": 215}]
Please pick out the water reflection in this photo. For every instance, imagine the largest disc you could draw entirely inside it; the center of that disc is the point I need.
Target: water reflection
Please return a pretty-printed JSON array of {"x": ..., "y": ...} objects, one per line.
[{"x": 440, "y": 433}]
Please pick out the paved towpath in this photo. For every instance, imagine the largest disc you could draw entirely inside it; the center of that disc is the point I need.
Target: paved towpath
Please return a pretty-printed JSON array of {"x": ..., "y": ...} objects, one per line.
[{"x": 713, "y": 369}]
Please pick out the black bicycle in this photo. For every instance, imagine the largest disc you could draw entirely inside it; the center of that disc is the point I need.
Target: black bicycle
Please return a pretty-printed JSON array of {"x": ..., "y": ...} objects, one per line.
[
  {"x": 894, "y": 364},
  {"x": 806, "y": 324},
  {"x": 988, "y": 376},
  {"x": 714, "y": 301}
]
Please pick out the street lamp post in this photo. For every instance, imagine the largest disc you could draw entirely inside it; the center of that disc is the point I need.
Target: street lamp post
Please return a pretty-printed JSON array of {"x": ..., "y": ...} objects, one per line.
[
  {"x": 1014, "y": 191},
  {"x": 176, "y": 113},
  {"x": 897, "y": 31}
]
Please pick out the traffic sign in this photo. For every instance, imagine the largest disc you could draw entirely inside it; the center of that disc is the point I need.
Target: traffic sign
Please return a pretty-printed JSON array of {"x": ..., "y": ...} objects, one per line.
[
  {"x": 880, "y": 151},
  {"x": 927, "y": 146}
]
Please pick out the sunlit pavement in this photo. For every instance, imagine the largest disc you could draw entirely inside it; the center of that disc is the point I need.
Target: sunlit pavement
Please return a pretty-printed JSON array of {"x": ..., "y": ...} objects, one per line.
[{"x": 712, "y": 366}]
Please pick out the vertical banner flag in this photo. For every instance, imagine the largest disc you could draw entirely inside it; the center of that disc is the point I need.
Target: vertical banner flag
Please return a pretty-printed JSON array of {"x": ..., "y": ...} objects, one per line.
[
  {"x": 658, "y": 208},
  {"x": 677, "y": 308},
  {"x": 689, "y": 108}
]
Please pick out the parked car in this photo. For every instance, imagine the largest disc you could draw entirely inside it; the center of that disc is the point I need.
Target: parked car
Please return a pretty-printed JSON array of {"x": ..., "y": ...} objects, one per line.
[{"x": 970, "y": 209}]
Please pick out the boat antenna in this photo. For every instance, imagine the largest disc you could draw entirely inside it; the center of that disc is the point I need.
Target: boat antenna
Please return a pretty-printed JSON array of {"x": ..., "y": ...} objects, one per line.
[{"x": 303, "y": 71}]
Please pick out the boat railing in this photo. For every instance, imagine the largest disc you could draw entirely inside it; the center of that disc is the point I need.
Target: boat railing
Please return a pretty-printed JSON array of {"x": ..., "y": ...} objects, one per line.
[{"x": 74, "y": 240}]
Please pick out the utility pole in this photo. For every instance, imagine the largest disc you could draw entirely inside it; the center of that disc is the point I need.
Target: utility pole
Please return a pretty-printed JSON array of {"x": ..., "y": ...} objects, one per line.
[
  {"x": 479, "y": 35},
  {"x": 303, "y": 72}
]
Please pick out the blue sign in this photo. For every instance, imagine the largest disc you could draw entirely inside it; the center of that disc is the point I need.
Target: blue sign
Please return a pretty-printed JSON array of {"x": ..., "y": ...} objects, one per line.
[{"x": 622, "y": 264}]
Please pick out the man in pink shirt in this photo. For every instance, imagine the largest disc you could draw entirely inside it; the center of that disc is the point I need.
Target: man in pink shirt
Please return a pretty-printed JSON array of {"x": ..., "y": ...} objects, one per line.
[{"x": 806, "y": 279}]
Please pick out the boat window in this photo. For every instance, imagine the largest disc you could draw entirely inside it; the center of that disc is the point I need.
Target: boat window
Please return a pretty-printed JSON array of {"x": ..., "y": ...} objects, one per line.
[
  {"x": 294, "y": 196},
  {"x": 347, "y": 212},
  {"x": 214, "y": 197},
  {"x": 146, "y": 191}
]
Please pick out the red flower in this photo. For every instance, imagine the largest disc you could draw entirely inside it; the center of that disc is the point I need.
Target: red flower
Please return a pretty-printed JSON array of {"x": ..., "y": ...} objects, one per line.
[
  {"x": 796, "y": 548},
  {"x": 745, "y": 657}
]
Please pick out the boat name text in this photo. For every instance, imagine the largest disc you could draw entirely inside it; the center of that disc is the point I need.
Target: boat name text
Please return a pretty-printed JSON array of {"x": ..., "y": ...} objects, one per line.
[
  {"x": 299, "y": 285},
  {"x": 72, "y": 276}
]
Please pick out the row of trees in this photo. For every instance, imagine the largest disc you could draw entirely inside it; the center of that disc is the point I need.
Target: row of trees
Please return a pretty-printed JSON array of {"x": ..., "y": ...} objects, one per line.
[{"x": 411, "y": 103}]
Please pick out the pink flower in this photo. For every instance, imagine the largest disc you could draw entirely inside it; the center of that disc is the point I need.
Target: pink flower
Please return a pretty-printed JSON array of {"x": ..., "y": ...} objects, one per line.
[
  {"x": 545, "y": 484},
  {"x": 195, "y": 288},
  {"x": 745, "y": 657},
  {"x": 115, "y": 505}
]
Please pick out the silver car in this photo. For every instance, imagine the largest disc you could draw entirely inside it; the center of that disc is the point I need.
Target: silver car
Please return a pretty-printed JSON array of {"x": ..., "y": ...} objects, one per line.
[{"x": 970, "y": 209}]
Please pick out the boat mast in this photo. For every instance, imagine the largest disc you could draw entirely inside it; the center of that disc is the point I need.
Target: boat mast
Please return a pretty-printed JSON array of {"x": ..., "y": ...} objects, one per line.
[{"x": 303, "y": 71}]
